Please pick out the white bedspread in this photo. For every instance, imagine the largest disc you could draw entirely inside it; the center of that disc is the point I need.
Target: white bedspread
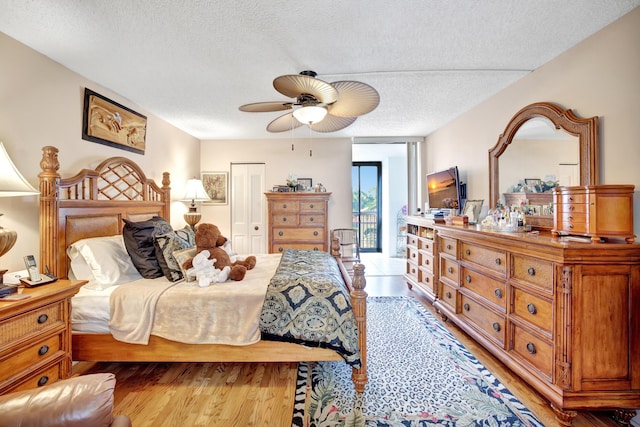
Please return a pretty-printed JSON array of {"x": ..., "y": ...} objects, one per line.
[{"x": 223, "y": 313}]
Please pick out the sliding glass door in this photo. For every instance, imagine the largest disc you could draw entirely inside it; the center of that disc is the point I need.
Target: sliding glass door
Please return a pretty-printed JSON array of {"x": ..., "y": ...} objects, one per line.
[{"x": 366, "y": 178}]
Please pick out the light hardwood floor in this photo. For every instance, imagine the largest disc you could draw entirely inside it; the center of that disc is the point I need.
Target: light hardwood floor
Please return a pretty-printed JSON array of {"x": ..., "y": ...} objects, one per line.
[{"x": 261, "y": 394}]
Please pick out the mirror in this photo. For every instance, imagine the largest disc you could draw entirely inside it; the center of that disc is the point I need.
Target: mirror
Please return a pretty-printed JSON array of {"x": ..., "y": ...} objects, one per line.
[{"x": 544, "y": 141}]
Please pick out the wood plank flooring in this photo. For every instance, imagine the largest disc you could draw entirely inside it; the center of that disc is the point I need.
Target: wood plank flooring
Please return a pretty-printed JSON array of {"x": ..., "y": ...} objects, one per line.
[{"x": 261, "y": 394}]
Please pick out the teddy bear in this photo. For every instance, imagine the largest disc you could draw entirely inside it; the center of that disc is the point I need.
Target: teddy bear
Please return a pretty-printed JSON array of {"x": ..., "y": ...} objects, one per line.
[
  {"x": 208, "y": 237},
  {"x": 205, "y": 272}
]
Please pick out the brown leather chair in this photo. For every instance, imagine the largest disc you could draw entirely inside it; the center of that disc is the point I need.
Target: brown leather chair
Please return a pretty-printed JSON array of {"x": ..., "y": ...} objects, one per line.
[{"x": 81, "y": 401}]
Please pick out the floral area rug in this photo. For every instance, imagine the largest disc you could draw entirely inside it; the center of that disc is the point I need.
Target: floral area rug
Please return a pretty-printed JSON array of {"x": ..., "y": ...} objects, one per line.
[{"x": 419, "y": 375}]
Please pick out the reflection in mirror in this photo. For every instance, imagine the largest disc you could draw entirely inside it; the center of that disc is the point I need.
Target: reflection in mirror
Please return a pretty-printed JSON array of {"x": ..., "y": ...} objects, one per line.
[{"x": 540, "y": 151}]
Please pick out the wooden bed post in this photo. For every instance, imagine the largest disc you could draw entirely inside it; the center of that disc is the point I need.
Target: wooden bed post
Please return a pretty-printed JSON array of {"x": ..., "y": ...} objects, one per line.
[
  {"x": 49, "y": 180},
  {"x": 166, "y": 190}
]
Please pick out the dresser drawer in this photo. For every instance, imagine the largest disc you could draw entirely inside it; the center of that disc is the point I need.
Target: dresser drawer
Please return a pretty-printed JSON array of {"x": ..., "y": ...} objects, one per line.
[
  {"x": 285, "y": 219},
  {"x": 426, "y": 261},
  {"x": 489, "y": 323},
  {"x": 571, "y": 224},
  {"x": 32, "y": 323},
  {"x": 426, "y": 246},
  {"x": 279, "y": 248},
  {"x": 30, "y": 355},
  {"x": 285, "y": 206},
  {"x": 535, "y": 351},
  {"x": 449, "y": 296},
  {"x": 312, "y": 219},
  {"x": 449, "y": 270},
  {"x": 578, "y": 208},
  {"x": 572, "y": 197},
  {"x": 412, "y": 270},
  {"x": 281, "y": 233},
  {"x": 448, "y": 246},
  {"x": 412, "y": 255},
  {"x": 486, "y": 287},
  {"x": 533, "y": 309},
  {"x": 485, "y": 257},
  {"x": 47, "y": 375},
  {"x": 412, "y": 240},
  {"x": 426, "y": 278},
  {"x": 533, "y": 271},
  {"x": 309, "y": 206}
]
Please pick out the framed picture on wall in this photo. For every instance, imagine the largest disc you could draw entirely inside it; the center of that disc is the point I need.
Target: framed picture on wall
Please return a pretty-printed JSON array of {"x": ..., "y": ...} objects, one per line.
[{"x": 216, "y": 184}]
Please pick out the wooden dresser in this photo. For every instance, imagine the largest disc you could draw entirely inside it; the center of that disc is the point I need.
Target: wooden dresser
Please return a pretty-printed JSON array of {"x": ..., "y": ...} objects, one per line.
[
  {"x": 298, "y": 220},
  {"x": 561, "y": 314},
  {"x": 35, "y": 337}
]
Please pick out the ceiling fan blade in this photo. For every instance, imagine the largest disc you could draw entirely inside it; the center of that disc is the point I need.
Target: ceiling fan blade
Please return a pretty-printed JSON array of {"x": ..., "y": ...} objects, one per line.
[
  {"x": 263, "y": 107},
  {"x": 283, "y": 123},
  {"x": 354, "y": 99},
  {"x": 332, "y": 123},
  {"x": 294, "y": 85}
]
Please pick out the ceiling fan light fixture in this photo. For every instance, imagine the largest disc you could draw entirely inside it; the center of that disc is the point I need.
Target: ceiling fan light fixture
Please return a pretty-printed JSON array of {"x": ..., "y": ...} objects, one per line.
[{"x": 310, "y": 114}]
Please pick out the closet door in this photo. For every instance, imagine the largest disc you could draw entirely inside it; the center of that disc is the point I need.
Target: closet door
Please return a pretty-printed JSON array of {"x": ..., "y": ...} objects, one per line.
[{"x": 248, "y": 208}]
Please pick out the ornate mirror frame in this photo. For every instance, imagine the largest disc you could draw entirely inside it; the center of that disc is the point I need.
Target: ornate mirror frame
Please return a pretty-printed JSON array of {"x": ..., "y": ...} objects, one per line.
[{"x": 585, "y": 129}]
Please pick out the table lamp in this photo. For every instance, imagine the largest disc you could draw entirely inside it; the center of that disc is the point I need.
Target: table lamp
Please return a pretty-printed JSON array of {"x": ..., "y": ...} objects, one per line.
[
  {"x": 12, "y": 184},
  {"x": 195, "y": 192}
]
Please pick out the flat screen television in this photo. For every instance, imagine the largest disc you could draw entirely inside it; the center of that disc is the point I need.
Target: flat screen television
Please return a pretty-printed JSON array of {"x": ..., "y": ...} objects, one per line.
[{"x": 443, "y": 189}]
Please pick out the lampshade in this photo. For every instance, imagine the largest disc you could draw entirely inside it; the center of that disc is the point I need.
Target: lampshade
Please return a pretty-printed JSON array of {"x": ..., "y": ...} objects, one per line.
[
  {"x": 195, "y": 192},
  {"x": 310, "y": 114},
  {"x": 12, "y": 183}
]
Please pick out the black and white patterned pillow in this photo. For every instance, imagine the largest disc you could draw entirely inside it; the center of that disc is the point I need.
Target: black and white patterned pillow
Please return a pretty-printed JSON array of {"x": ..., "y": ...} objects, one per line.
[
  {"x": 168, "y": 243},
  {"x": 139, "y": 241}
]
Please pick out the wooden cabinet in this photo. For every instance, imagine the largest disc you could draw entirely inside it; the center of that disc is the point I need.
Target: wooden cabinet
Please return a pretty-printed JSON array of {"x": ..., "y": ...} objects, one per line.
[
  {"x": 422, "y": 265},
  {"x": 596, "y": 211},
  {"x": 35, "y": 337},
  {"x": 298, "y": 220},
  {"x": 561, "y": 314}
]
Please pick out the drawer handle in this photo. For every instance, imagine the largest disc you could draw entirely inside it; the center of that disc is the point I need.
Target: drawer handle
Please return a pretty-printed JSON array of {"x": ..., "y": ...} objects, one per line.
[
  {"x": 468, "y": 252},
  {"x": 280, "y": 233},
  {"x": 413, "y": 270},
  {"x": 311, "y": 205},
  {"x": 498, "y": 293},
  {"x": 426, "y": 262},
  {"x": 42, "y": 318},
  {"x": 571, "y": 198},
  {"x": 284, "y": 206},
  {"x": 449, "y": 247},
  {"x": 316, "y": 249},
  {"x": 496, "y": 326},
  {"x": 570, "y": 225},
  {"x": 498, "y": 261},
  {"x": 311, "y": 219},
  {"x": 531, "y": 348},
  {"x": 43, "y": 380},
  {"x": 570, "y": 216},
  {"x": 284, "y": 219},
  {"x": 531, "y": 271},
  {"x": 43, "y": 350},
  {"x": 450, "y": 269},
  {"x": 571, "y": 208},
  {"x": 280, "y": 249},
  {"x": 426, "y": 280},
  {"x": 413, "y": 255},
  {"x": 468, "y": 278},
  {"x": 531, "y": 308},
  {"x": 466, "y": 307},
  {"x": 315, "y": 233},
  {"x": 448, "y": 294}
]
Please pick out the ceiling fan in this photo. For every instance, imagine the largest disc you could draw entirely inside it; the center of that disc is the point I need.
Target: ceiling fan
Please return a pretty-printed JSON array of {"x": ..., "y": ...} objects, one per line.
[{"x": 325, "y": 107}]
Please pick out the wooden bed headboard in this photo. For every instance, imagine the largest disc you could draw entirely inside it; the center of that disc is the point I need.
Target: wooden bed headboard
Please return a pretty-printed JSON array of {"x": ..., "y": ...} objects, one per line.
[{"x": 93, "y": 203}]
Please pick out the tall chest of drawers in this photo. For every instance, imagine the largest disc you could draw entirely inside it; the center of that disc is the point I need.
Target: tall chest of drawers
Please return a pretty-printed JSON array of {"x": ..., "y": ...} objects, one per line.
[
  {"x": 298, "y": 220},
  {"x": 561, "y": 314},
  {"x": 422, "y": 266},
  {"x": 35, "y": 337}
]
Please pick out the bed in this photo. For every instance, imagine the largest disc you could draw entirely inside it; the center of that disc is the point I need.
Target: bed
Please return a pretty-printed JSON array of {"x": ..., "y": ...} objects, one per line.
[{"x": 93, "y": 204}]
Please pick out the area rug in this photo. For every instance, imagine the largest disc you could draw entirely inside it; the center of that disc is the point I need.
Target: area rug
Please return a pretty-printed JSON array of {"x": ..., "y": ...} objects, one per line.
[{"x": 419, "y": 375}]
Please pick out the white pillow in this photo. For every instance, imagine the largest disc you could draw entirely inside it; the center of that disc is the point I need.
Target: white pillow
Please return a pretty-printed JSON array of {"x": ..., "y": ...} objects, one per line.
[{"x": 103, "y": 261}]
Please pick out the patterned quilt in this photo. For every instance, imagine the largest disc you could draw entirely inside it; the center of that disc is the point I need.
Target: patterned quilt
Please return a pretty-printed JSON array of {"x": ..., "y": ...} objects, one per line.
[{"x": 308, "y": 302}]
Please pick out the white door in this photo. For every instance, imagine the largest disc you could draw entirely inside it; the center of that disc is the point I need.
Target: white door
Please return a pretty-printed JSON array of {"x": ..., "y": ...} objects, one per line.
[{"x": 248, "y": 206}]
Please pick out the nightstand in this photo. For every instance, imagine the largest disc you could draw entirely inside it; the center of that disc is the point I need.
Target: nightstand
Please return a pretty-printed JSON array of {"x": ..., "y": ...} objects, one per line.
[{"x": 35, "y": 336}]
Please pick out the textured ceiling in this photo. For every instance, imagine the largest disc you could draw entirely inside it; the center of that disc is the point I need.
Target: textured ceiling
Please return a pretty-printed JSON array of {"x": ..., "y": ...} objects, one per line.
[{"x": 193, "y": 63}]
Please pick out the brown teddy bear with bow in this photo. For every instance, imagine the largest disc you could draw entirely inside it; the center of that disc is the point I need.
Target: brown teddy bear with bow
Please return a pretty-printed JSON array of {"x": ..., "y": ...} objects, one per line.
[{"x": 208, "y": 237}]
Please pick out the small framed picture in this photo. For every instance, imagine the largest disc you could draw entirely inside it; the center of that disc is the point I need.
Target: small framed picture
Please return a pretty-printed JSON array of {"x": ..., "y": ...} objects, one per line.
[
  {"x": 216, "y": 185},
  {"x": 305, "y": 183},
  {"x": 532, "y": 181},
  {"x": 472, "y": 210}
]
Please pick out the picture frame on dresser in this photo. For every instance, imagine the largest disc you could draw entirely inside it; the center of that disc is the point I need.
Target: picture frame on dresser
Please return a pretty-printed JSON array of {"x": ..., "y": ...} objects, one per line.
[
  {"x": 472, "y": 209},
  {"x": 305, "y": 184}
]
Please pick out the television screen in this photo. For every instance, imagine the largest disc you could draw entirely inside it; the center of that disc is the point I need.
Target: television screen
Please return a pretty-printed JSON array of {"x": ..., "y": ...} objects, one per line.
[{"x": 443, "y": 189}]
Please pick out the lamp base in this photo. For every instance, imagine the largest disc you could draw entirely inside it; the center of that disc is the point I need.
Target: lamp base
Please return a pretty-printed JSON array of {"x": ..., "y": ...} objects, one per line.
[
  {"x": 192, "y": 218},
  {"x": 7, "y": 240}
]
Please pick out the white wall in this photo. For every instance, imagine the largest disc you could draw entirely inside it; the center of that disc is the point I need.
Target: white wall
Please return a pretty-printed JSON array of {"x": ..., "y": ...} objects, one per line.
[
  {"x": 598, "y": 77},
  {"x": 330, "y": 165},
  {"x": 41, "y": 104}
]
